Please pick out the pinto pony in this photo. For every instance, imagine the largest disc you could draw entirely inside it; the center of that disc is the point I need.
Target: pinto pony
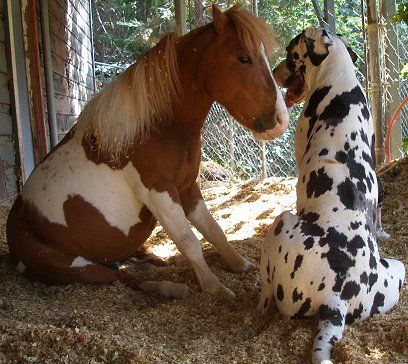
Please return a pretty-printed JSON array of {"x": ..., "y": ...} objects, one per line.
[{"x": 133, "y": 157}]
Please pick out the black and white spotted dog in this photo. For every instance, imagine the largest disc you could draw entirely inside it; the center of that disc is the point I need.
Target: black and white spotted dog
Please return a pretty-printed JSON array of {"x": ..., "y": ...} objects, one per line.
[{"x": 324, "y": 261}]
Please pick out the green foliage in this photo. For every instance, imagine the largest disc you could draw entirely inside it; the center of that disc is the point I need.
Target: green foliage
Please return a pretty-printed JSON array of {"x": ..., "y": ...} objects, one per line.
[
  {"x": 405, "y": 145},
  {"x": 404, "y": 72},
  {"x": 402, "y": 14},
  {"x": 125, "y": 29}
]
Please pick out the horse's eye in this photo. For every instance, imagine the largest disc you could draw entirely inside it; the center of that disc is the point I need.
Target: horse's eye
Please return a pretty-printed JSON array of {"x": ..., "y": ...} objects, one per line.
[{"x": 244, "y": 60}]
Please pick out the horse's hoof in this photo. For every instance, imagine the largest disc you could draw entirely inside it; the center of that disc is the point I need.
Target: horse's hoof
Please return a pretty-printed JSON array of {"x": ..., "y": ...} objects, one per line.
[
  {"x": 222, "y": 293},
  {"x": 244, "y": 266},
  {"x": 166, "y": 289}
]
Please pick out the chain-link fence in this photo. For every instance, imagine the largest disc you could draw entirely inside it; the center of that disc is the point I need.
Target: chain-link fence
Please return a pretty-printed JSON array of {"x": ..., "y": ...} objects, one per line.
[{"x": 230, "y": 146}]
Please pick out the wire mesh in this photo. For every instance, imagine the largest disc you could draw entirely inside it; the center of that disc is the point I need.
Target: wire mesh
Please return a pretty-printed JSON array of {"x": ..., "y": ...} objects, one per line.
[{"x": 226, "y": 144}]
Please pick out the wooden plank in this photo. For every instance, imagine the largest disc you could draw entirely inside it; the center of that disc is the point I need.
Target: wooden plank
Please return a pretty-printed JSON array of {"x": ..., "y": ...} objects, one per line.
[
  {"x": 81, "y": 12},
  {"x": 5, "y": 124},
  {"x": 62, "y": 14},
  {"x": 69, "y": 51},
  {"x": 62, "y": 86},
  {"x": 64, "y": 66},
  {"x": 66, "y": 105},
  {"x": 4, "y": 87},
  {"x": 3, "y": 60},
  {"x": 2, "y": 29},
  {"x": 69, "y": 31},
  {"x": 7, "y": 154}
]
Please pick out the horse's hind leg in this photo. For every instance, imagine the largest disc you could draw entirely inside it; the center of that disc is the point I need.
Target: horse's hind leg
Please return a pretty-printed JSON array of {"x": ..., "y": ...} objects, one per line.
[
  {"x": 332, "y": 318},
  {"x": 198, "y": 214}
]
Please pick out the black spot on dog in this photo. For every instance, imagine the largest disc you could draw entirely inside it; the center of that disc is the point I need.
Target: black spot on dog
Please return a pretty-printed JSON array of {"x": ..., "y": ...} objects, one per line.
[
  {"x": 318, "y": 184},
  {"x": 353, "y": 136},
  {"x": 298, "y": 263},
  {"x": 296, "y": 296},
  {"x": 341, "y": 157},
  {"x": 356, "y": 243},
  {"x": 280, "y": 248},
  {"x": 350, "y": 196},
  {"x": 278, "y": 228},
  {"x": 321, "y": 287},
  {"x": 340, "y": 263},
  {"x": 364, "y": 278},
  {"x": 364, "y": 137},
  {"x": 377, "y": 303},
  {"x": 385, "y": 283},
  {"x": 355, "y": 225},
  {"x": 268, "y": 268},
  {"x": 339, "y": 106},
  {"x": 333, "y": 339},
  {"x": 372, "y": 279},
  {"x": 286, "y": 257},
  {"x": 355, "y": 315},
  {"x": 372, "y": 262},
  {"x": 323, "y": 152},
  {"x": 331, "y": 315},
  {"x": 333, "y": 238},
  {"x": 279, "y": 293},
  {"x": 303, "y": 308},
  {"x": 384, "y": 263},
  {"x": 308, "y": 243},
  {"x": 350, "y": 289},
  {"x": 368, "y": 159},
  {"x": 335, "y": 209}
]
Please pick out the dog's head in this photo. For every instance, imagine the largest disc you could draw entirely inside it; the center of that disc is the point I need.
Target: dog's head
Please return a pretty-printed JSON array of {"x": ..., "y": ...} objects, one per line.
[{"x": 307, "y": 50}]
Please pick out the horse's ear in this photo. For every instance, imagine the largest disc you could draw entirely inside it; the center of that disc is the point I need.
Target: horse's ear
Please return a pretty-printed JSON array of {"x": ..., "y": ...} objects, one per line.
[{"x": 220, "y": 19}]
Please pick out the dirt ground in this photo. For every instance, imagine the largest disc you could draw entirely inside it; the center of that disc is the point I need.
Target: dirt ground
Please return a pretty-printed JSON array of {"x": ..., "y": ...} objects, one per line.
[{"x": 93, "y": 324}]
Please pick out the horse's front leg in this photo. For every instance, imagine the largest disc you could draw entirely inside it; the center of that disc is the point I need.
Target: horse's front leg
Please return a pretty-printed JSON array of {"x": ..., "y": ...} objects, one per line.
[
  {"x": 166, "y": 207},
  {"x": 198, "y": 214}
]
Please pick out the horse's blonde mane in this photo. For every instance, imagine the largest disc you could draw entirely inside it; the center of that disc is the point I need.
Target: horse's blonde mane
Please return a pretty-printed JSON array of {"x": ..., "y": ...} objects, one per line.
[
  {"x": 133, "y": 105},
  {"x": 142, "y": 97},
  {"x": 252, "y": 31}
]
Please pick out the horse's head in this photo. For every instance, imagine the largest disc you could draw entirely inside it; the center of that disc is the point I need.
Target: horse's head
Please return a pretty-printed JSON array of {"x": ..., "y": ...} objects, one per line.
[
  {"x": 305, "y": 52},
  {"x": 236, "y": 73}
]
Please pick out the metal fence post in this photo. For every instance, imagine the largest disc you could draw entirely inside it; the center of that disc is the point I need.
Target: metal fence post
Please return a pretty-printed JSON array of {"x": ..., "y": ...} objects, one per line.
[
  {"x": 375, "y": 78},
  {"x": 392, "y": 71}
]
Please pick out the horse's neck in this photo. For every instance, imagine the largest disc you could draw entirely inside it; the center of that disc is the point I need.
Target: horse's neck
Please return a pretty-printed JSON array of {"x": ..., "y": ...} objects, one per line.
[{"x": 195, "y": 103}]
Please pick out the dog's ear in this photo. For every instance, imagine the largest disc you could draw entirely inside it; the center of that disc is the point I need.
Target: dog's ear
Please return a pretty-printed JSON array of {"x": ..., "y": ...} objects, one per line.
[
  {"x": 353, "y": 55},
  {"x": 317, "y": 44}
]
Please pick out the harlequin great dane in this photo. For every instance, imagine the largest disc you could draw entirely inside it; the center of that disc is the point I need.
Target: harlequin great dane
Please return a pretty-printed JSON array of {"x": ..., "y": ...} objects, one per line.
[{"x": 324, "y": 261}]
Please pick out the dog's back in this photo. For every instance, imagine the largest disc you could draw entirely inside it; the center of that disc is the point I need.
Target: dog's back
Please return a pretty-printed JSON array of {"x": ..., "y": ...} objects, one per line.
[{"x": 325, "y": 260}]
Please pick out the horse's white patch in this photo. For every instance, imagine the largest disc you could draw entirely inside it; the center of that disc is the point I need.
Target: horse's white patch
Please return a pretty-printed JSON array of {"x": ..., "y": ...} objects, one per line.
[
  {"x": 280, "y": 105},
  {"x": 20, "y": 267},
  {"x": 80, "y": 262},
  {"x": 68, "y": 173}
]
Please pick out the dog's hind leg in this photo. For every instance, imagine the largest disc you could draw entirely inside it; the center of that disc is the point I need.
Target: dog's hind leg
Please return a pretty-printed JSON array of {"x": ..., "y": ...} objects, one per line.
[{"x": 332, "y": 318}]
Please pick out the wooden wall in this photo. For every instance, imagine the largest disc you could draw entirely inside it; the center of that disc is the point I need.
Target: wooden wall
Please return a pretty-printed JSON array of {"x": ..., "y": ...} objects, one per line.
[
  {"x": 73, "y": 75},
  {"x": 72, "y": 58},
  {"x": 8, "y": 172}
]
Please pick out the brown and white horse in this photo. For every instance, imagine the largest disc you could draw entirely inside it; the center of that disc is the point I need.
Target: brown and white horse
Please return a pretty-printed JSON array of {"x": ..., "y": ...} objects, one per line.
[{"x": 134, "y": 155}]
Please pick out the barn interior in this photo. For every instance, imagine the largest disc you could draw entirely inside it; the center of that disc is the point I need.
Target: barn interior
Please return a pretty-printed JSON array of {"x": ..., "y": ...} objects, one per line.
[{"x": 48, "y": 71}]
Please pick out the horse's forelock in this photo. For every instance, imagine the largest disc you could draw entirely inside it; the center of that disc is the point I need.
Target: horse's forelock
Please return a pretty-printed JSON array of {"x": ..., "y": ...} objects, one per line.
[{"x": 252, "y": 31}]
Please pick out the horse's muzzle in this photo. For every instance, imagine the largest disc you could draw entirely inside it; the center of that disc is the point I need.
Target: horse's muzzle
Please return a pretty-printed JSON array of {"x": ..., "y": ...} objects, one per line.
[{"x": 269, "y": 128}]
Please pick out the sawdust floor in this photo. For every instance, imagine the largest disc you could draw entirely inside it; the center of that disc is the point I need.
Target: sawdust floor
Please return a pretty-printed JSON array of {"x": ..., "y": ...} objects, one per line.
[{"x": 89, "y": 324}]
